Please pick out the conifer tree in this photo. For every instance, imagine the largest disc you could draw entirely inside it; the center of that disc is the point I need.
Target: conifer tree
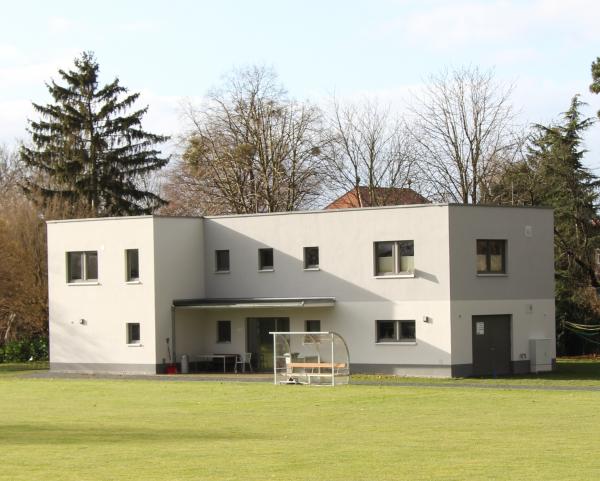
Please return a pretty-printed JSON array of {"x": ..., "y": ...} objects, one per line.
[{"x": 89, "y": 148}]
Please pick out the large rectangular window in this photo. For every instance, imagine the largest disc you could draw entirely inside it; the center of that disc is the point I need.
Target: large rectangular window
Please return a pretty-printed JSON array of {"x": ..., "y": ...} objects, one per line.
[
  {"x": 265, "y": 259},
  {"x": 394, "y": 258},
  {"x": 491, "y": 256},
  {"x": 82, "y": 266},
  {"x": 311, "y": 257},
  {"x": 133, "y": 333},
  {"x": 223, "y": 331},
  {"x": 222, "y": 261},
  {"x": 133, "y": 265},
  {"x": 396, "y": 331}
]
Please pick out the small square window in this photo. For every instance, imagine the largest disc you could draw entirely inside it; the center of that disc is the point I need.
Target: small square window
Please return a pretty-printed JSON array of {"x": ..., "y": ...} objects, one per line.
[
  {"x": 223, "y": 331},
  {"x": 82, "y": 266},
  {"x": 133, "y": 265},
  {"x": 222, "y": 261},
  {"x": 133, "y": 333},
  {"x": 311, "y": 257},
  {"x": 491, "y": 256},
  {"x": 312, "y": 326},
  {"x": 395, "y": 331},
  {"x": 265, "y": 259}
]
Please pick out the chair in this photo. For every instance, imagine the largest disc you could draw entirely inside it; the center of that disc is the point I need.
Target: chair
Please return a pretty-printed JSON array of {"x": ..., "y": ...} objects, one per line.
[{"x": 242, "y": 360}]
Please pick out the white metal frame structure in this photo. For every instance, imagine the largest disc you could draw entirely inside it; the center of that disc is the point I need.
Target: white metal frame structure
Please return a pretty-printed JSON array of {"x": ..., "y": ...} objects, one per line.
[{"x": 315, "y": 358}]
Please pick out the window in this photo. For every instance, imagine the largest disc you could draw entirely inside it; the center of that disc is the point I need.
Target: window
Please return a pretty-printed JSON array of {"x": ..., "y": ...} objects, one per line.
[
  {"x": 82, "y": 266},
  {"x": 491, "y": 256},
  {"x": 265, "y": 259},
  {"x": 223, "y": 331},
  {"x": 312, "y": 326},
  {"x": 133, "y": 265},
  {"x": 311, "y": 257},
  {"x": 394, "y": 258},
  {"x": 222, "y": 261},
  {"x": 133, "y": 333},
  {"x": 396, "y": 331}
]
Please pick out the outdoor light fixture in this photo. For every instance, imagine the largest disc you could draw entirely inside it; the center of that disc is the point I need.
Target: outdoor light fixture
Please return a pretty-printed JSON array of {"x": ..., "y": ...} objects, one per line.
[
  {"x": 83, "y": 322},
  {"x": 427, "y": 319}
]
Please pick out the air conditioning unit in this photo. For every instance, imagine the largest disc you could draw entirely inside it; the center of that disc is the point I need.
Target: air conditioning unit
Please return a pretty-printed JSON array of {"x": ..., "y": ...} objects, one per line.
[{"x": 541, "y": 351}]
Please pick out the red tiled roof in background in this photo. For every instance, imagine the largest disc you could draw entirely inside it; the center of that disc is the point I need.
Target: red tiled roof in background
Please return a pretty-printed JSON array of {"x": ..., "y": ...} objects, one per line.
[{"x": 383, "y": 196}]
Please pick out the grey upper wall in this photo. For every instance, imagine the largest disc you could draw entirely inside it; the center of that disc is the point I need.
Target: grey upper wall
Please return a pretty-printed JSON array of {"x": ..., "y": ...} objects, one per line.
[{"x": 530, "y": 256}]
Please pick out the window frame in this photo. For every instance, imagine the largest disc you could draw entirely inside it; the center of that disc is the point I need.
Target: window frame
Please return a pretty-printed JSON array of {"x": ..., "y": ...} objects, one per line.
[
  {"x": 217, "y": 269},
  {"x": 128, "y": 333},
  {"x": 307, "y": 266},
  {"x": 84, "y": 267},
  {"x": 396, "y": 259},
  {"x": 227, "y": 338},
  {"x": 397, "y": 332},
  {"x": 128, "y": 277},
  {"x": 488, "y": 263},
  {"x": 307, "y": 339},
  {"x": 265, "y": 268}
]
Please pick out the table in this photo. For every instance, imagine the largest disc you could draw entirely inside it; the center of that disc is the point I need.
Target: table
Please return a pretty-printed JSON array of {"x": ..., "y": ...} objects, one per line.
[{"x": 218, "y": 356}]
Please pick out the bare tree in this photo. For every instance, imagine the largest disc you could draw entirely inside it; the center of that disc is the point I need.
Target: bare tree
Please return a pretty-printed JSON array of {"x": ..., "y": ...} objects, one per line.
[
  {"x": 463, "y": 125},
  {"x": 250, "y": 149},
  {"x": 367, "y": 146}
]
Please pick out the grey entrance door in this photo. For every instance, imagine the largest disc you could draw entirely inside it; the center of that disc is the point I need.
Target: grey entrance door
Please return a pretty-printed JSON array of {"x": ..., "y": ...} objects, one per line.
[
  {"x": 260, "y": 343},
  {"x": 491, "y": 345}
]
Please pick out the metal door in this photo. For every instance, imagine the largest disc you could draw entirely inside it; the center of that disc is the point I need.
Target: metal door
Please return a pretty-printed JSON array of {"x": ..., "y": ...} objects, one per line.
[{"x": 491, "y": 345}]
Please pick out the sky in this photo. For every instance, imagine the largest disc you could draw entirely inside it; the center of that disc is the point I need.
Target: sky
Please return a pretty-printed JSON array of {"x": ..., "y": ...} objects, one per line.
[{"x": 176, "y": 51}]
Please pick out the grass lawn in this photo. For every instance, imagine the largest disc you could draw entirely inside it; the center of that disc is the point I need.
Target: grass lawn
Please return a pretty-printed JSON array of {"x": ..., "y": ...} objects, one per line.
[{"x": 79, "y": 430}]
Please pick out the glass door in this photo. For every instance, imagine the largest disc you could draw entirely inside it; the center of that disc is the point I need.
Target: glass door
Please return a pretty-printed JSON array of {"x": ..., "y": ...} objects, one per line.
[{"x": 260, "y": 343}]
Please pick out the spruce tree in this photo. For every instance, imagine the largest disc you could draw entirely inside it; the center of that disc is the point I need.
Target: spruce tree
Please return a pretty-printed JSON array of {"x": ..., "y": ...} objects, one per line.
[{"x": 89, "y": 148}]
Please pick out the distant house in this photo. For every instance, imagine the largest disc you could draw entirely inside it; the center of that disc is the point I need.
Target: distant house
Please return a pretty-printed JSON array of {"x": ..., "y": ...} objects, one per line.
[{"x": 382, "y": 196}]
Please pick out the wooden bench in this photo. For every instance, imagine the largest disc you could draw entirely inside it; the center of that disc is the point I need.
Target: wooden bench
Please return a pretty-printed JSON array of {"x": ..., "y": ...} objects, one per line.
[{"x": 294, "y": 377}]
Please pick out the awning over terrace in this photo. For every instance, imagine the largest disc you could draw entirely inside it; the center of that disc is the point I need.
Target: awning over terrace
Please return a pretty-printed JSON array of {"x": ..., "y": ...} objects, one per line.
[{"x": 254, "y": 303}]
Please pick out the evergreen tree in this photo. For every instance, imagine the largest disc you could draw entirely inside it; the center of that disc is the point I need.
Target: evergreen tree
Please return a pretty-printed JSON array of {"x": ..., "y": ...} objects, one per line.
[
  {"x": 88, "y": 148},
  {"x": 595, "y": 85}
]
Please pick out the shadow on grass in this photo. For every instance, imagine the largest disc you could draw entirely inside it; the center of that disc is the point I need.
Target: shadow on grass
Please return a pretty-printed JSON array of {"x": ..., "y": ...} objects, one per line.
[
  {"x": 39, "y": 433},
  {"x": 12, "y": 367}
]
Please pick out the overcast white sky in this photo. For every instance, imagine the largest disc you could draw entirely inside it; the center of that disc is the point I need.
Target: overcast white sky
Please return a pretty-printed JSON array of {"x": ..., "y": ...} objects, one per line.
[{"x": 385, "y": 48}]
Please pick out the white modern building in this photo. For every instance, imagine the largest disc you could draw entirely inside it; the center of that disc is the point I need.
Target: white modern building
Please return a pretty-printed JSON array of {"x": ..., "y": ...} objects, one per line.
[{"x": 436, "y": 289}]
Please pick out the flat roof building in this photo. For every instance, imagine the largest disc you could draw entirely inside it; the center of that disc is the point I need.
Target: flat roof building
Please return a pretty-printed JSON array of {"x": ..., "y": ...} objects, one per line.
[{"x": 435, "y": 289}]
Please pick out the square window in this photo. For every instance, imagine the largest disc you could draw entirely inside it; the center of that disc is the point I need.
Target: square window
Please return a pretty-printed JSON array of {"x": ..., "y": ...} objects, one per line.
[
  {"x": 223, "y": 331},
  {"x": 311, "y": 257},
  {"x": 222, "y": 260},
  {"x": 265, "y": 259},
  {"x": 133, "y": 265},
  {"x": 133, "y": 333},
  {"x": 491, "y": 256},
  {"x": 396, "y": 331},
  {"x": 394, "y": 257},
  {"x": 312, "y": 326},
  {"x": 82, "y": 266}
]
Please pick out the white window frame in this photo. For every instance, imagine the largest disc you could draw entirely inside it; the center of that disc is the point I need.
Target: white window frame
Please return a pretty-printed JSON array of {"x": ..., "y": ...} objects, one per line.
[
  {"x": 137, "y": 342},
  {"x": 396, "y": 258},
  {"x": 128, "y": 278},
  {"x": 261, "y": 268},
  {"x": 397, "y": 331},
  {"x": 84, "y": 273},
  {"x": 311, "y": 267}
]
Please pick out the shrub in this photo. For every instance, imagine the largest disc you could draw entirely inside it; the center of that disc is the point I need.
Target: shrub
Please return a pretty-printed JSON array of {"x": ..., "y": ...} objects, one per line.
[{"x": 23, "y": 350}]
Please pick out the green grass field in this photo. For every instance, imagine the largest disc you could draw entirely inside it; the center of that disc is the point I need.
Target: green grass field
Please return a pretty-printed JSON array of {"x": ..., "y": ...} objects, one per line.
[{"x": 79, "y": 430}]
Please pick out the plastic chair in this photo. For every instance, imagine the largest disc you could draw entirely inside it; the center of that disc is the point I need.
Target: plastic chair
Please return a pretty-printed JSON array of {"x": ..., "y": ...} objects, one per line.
[{"x": 242, "y": 360}]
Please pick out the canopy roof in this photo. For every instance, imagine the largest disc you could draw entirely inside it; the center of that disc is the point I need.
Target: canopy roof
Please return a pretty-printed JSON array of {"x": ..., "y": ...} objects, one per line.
[{"x": 254, "y": 302}]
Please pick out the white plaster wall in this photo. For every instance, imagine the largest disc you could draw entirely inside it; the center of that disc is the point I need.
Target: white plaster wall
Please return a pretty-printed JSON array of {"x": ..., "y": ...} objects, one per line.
[
  {"x": 531, "y": 319},
  {"x": 345, "y": 240},
  {"x": 354, "y": 321},
  {"x": 107, "y": 305},
  {"x": 179, "y": 270}
]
